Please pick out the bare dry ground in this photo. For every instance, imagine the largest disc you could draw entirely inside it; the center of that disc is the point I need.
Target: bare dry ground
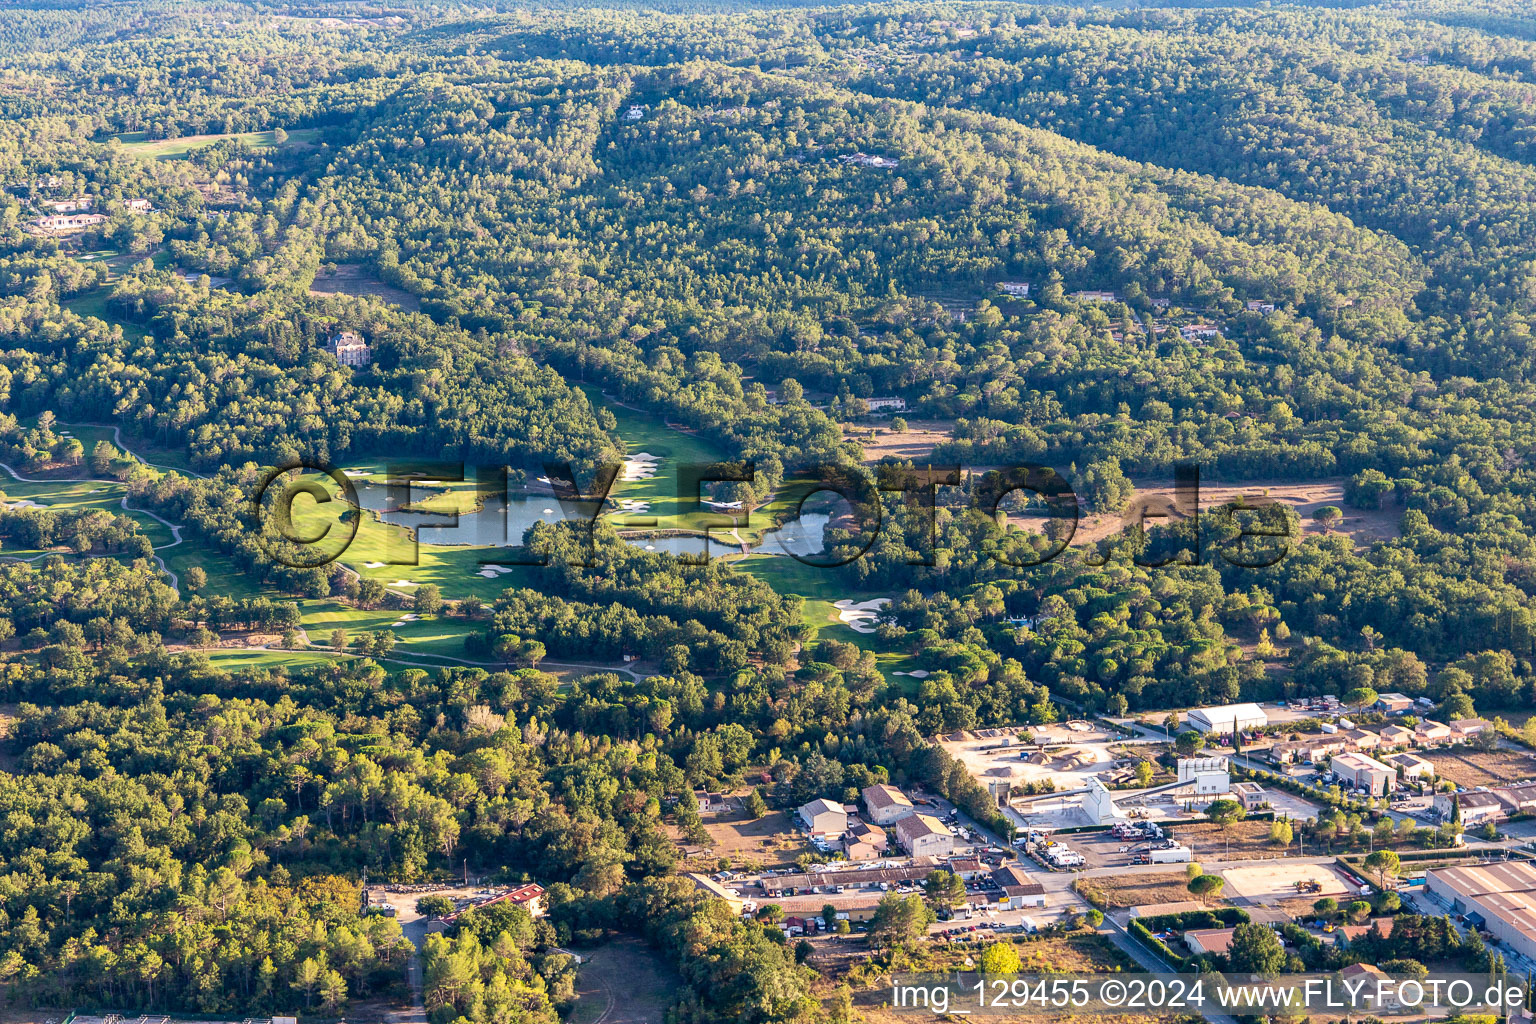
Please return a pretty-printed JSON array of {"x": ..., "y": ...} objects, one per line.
[
  {"x": 1135, "y": 890},
  {"x": 1363, "y": 527},
  {"x": 917, "y": 443},
  {"x": 1305, "y": 498},
  {"x": 770, "y": 841},
  {"x": 1247, "y": 840},
  {"x": 1473, "y": 768},
  {"x": 353, "y": 279}
]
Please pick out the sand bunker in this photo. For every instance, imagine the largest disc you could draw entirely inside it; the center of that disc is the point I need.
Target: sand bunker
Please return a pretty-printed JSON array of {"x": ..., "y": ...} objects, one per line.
[
  {"x": 492, "y": 571},
  {"x": 405, "y": 583},
  {"x": 917, "y": 673},
  {"x": 859, "y": 616},
  {"x": 640, "y": 466},
  {"x": 24, "y": 503},
  {"x": 374, "y": 565}
]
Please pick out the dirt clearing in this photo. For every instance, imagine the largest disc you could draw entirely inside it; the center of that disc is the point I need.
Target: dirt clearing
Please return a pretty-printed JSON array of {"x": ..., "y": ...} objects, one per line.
[
  {"x": 917, "y": 443},
  {"x": 1473, "y": 768},
  {"x": 1272, "y": 883},
  {"x": 354, "y": 279},
  {"x": 770, "y": 841},
  {"x": 1134, "y": 890},
  {"x": 1362, "y": 526}
]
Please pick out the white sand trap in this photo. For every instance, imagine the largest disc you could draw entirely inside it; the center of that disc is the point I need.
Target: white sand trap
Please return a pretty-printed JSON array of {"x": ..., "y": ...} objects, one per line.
[
  {"x": 486, "y": 573},
  {"x": 1270, "y": 883},
  {"x": 545, "y": 480},
  {"x": 860, "y": 615},
  {"x": 409, "y": 617},
  {"x": 493, "y": 570},
  {"x": 23, "y": 503},
  {"x": 373, "y": 565},
  {"x": 639, "y": 466},
  {"x": 917, "y": 673},
  {"x": 405, "y": 583},
  {"x": 650, "y": 547},
  {"x": 549, "y": 511},
  {"x": 633, "y": 505},
  {"x": 355, "y": 473}
]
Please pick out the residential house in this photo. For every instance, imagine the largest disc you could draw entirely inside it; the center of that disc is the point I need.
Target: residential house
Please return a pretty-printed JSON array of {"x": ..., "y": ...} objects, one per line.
[
  {"x": 1369, "y": 978},
  {"x": 140, "y": 205},
  {"x": 636, "y": 111},
  {"x": 1310, "y": 750},
  {"x": 866, "y": 160},
  {"x": 863, "y": 832},
  {"x": 1209, "y": 940},
  {"x": 712, "y": 802},
  {"x": 1193, "y": 332},
  {"x": 1095, "y": 296},
  {"x": 70, "y": 222},
  {"x": 924, "y": 835},
  {"x": 74, "y": 205},
  {"x": 1466, "y": 728},
  {"x": 1349, "y": 933},
  {"x": 887, "y": 804},
  {"x": 1160, "y": 909},
  {"x": 349, "y": 348},
  {"x": 1395, "y": 737},
  {"x": 1362, "y": 739},
  {"x": 824, "y": 818},
  {"x": 1018, "y": 289},
  {"x": 1411, "y": 767},
  {"x": 1430, "y": 734},
  {"x": 1161, "y": 303},
  {"x": 888, "y": 403},
  {"x": 1255, "y": 306},
  {"x": 858, "y": 849}
]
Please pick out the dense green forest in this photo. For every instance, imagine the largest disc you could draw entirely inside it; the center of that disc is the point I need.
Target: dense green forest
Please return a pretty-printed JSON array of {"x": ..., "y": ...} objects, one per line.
[{"x": 587, "y": 232}]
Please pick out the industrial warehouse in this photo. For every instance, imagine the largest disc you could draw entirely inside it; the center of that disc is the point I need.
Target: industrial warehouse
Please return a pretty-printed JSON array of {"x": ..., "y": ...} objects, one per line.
[{"x": 1499, "y": 898}]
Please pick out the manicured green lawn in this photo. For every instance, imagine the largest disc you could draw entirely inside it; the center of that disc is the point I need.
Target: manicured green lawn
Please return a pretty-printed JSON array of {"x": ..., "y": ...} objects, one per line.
[
  {"x": 177, "y": 149},
  {"x": 821, "y": 588},
  {"x": 643, "y": 433},
  {"x": 232, "y": 660},
  {"x": 430, "y": 635}
]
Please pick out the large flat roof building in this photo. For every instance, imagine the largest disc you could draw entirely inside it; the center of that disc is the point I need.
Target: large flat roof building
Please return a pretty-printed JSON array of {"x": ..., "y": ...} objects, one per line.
[
  {"x": 1227, "y": 718},
  {"x": 1499, "y": 897},
  {"x": 1365, "y": 773}
]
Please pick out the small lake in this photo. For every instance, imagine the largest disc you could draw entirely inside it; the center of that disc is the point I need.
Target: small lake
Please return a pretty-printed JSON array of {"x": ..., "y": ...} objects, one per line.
[{"x": 803, "y": 536}]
